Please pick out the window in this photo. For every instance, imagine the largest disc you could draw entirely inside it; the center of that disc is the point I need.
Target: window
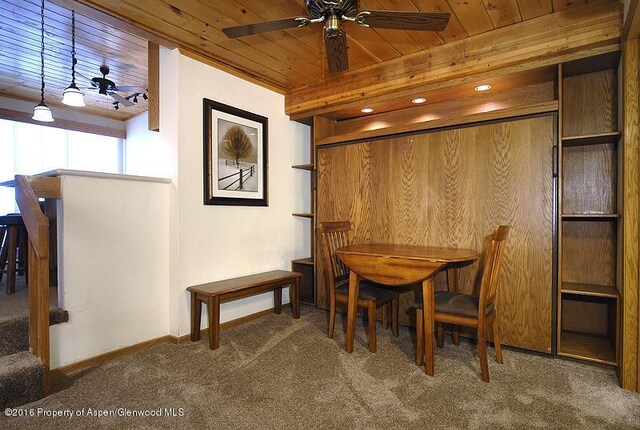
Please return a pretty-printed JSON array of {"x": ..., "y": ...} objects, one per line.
[{"x": 27, "y": 149}]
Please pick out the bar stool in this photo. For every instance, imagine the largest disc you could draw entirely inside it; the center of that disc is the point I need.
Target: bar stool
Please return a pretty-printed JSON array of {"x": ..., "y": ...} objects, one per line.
[{"x": 13, "y": 252}]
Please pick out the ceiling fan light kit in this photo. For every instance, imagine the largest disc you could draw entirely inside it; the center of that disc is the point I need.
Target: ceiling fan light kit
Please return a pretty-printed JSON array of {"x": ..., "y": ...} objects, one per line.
[
  {"x": 333, "y": 14},
  {"x": 72, "y": 96},
  {"x": 42, "y": 112}
]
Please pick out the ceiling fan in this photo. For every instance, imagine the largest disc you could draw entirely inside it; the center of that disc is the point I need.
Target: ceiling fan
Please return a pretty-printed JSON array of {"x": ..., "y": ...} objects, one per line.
[
  {"x": 108, "y": 88},
  {"x": 333, "y": 13}
]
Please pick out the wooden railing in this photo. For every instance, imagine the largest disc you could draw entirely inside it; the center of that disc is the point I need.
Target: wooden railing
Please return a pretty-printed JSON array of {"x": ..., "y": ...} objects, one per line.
[{"x": 28, "y": 189}]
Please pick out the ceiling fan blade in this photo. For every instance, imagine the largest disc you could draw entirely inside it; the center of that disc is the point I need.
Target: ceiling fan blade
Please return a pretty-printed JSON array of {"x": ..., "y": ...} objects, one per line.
[
  {"x": 336, "y": 47},
  {"x": 399, "y": 20},
  {"x": 117, "y": 97},
  {"x": 132, "y": 89},
  {"x": 263, "y": 27}
]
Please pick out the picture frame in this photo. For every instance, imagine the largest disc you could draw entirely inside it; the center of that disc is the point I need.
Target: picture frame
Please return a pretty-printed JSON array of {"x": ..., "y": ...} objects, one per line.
[{"x": 235, "y": 156}]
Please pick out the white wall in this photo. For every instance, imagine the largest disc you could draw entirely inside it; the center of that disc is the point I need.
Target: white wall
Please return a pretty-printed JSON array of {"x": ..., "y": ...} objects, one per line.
[
  {"x": 114, "y": 266},
  {"x": 143, "y": 152},
  {"x": 218, "y": 242}
]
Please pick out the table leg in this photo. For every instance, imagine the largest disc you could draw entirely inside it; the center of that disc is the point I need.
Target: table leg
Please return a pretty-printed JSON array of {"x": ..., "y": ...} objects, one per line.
[
  {"x": 452, "y": 283},
  {"x": 294, "y": 298},
  {"x": 427, "y": 299},
  {"x": 214, "y": 321},
  {"x": 277, "y": 300},
  {"x": 352, "y": 308},
  {"x": 196, "y": 312}
]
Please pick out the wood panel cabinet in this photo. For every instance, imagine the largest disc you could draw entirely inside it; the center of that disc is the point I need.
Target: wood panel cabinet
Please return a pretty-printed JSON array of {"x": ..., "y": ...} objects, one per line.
[
  {"x": 451, "y": 188},
  {"x": 588, "y": 297}
]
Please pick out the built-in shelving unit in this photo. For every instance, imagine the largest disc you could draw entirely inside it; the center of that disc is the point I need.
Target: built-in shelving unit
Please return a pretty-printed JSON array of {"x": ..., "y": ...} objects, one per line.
[
  {"x": 588, "y": 297},
  {"x": 306, "y": 266}
]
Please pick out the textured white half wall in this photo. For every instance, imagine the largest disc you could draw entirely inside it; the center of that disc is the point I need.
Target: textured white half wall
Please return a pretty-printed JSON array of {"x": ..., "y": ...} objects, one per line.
[
  {"x": 113, "y": 244},
  {"x": 219, "y": 242}
]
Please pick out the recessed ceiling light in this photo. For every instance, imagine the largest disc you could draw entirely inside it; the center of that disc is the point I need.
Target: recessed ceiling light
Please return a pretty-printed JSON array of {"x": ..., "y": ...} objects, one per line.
[
  {"x": 366, "y": 110},
  {"x": 418, "y": 100},
  {"x": 483, "y": 87}
]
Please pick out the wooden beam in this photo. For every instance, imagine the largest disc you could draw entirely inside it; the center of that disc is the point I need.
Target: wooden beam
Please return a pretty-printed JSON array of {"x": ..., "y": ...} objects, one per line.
[
  {"x": 65, "y": 124},
  {"x": 631, "y": 215},
  {"x": 632, "y": 21},
  {"x": 544, "y": 107},
  {"x": 153, "y": 70},
  {"x": 583, "y": 31}
]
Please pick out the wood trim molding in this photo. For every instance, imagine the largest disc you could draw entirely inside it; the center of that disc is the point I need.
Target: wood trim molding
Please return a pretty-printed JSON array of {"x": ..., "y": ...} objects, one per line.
[
  {"x": 65, "y": 124},
  {"x": 632, "y": 21},
  {"x": 226, "y": 326},
  {"x": 537, "y": 108},
  {"x": 153, "y": 75},
  {"x": 108, "y": 356},
  {"x": 630, "y": 373},
  {"x": 579, "y": 32}
]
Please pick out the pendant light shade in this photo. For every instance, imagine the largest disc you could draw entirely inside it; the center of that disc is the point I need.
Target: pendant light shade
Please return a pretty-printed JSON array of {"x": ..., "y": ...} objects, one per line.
[
  {"x": 42, "y": 112},
  {"x": 72, "y": 96}
]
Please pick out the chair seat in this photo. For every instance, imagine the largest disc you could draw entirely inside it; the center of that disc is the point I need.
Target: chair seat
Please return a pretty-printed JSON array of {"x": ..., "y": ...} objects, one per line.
[
  {"x": 464, "y": 305},
  {"x": 368, "y": 291}
]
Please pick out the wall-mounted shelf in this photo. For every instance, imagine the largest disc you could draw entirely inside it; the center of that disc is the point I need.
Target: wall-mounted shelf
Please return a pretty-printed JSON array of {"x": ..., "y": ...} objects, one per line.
[
  {"x": 309, "y": 167},
  {"x": 591, "y": 139},
  {"x": 304, "y": 261},
  {"x": 590, "y": 290},
  {"x": 590, "y": 217}
]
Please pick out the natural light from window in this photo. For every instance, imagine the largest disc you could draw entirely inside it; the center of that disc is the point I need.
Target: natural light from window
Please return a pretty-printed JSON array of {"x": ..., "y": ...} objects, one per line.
[{"x": 27, "y": 149}]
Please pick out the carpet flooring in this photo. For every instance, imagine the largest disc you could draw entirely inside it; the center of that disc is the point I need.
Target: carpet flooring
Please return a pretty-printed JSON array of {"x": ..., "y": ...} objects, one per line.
[{"x": 280, "y": 373}]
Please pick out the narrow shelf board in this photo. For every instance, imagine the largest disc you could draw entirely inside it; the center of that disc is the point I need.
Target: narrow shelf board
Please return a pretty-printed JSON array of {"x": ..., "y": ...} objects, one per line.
[
  {"x": 305, "y": 215},
  {"x": 309, "y": 167},
  {"x": 305, "y": 261},
  {"x": 589, "y": 347},
  {"x": 591, "y": 139},
  {"x": 590, "y": 290},
  {"x": 589, "y": 217}
]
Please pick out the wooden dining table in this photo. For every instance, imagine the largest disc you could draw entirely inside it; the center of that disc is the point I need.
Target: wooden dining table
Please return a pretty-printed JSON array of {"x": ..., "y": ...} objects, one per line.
[{"x": 399, "y": 265}]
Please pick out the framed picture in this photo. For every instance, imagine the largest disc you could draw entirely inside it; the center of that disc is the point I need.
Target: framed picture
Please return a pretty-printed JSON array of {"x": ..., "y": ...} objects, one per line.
[{"x": 235, "y": 156}]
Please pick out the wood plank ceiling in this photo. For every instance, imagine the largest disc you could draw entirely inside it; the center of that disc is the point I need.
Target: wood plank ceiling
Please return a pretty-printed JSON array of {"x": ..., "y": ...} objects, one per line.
[
  {"x": 96, "y": 44},
  {"x": 291, "y": 58},
  {"x": 285, "y": 61}
]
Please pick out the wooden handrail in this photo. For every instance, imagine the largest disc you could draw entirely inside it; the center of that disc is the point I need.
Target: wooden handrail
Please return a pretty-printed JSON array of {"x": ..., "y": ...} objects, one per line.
[{"x": 28, "y": 189}]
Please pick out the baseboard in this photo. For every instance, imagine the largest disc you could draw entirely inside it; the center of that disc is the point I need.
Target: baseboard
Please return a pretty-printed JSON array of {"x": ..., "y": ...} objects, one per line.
[
  {"x": 108, "y": 356},
  {"x": 227, "y": 325}
]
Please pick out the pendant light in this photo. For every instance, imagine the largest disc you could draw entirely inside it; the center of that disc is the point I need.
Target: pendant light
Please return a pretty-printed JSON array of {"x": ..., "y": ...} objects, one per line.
[
  {"x": 72, "y": 95},
  {"x": 42, "y": 112}
]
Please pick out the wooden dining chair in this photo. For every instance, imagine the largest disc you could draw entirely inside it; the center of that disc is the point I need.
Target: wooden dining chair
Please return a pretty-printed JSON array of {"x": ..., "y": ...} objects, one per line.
[
  {"x": 371, "y": 296},
  {"x": 463, "y": 309}
]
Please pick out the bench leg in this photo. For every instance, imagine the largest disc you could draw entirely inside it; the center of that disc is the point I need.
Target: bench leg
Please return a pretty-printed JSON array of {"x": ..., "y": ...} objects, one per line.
[
  {"x": 294, "y": 298},
  {"x": 277, "y": 300},
  {"x": 214, "y": 322},
  {"x": 196, "y": 312}
]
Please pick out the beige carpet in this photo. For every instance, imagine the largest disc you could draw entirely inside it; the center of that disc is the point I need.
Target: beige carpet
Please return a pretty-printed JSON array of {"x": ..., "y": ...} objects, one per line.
[{"x": 279, "y": 373}]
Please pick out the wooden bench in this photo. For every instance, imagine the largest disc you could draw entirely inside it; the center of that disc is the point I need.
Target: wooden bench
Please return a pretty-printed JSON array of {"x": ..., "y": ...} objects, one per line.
[{"x": 218, "y": 292}]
